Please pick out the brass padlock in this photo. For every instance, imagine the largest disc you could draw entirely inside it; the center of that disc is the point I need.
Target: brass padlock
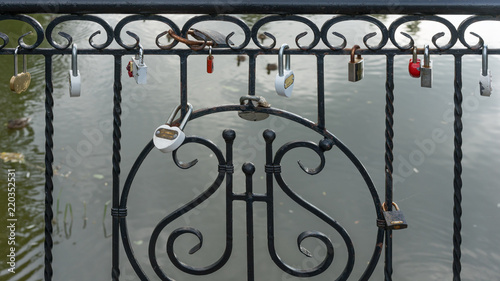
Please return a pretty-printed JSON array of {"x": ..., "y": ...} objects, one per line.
[
  {"x": 394, "y": 219},
  {"x": 356, "y": 66}
]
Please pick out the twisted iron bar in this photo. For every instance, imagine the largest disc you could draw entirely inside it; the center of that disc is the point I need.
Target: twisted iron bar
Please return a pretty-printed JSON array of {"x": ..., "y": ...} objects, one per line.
[
  {"x": 457, "y": 171},
  {"x": 389, "y": 157},
  {"x": 49, "y": 160}
]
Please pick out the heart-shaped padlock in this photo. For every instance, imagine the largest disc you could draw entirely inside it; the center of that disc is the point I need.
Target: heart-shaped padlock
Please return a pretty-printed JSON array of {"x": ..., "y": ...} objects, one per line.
[
  {"x": 20, "y": 81},
  {"x": 168, "y": 138},
  {"x": 285, "y": 77},
  {"x": 414, "y": 65}
]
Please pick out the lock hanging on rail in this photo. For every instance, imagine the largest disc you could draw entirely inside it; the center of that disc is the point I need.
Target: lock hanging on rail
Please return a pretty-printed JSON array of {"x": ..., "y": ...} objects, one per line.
[
  {"x": 394, "y": 219},
  {"x": 414, "y": 65},
  {"x": 168, "y": 138},
  {"x": 75, "y": 81},
  {"x": 356, "y": 66},
  {"x": 485, "y": 87},
  {"x": 426, "y": 70},
  {"x": 285, "y": 77},
  {"x": 20, "y": 81},
  {"x": 252, "y": 115},
  {"x": 210, "y": 61},
  {"x": 137, "y": 68}
]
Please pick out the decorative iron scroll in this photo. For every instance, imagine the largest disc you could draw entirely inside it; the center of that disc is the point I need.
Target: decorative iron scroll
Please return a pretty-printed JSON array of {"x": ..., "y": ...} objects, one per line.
[{"x": 273, "y": 170}]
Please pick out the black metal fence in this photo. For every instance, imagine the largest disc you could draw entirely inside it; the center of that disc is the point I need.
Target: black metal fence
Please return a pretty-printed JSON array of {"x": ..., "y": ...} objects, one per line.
[{"x": 279, "y": 11}]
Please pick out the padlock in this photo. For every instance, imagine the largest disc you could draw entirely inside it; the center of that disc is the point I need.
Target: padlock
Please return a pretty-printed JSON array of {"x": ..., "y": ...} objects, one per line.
[
  {"x": 426, "y": 70},
  {"x": 252, "y": 115},
  {"x": 284, "y": 78},
  {"x": 414, "y": 65},
  {"x": 130, "y": 67},
  {"x": 210, "y": 61},
  {"x": 394, "y": 219},
  {"x": 356, "y": 66},
  {"x": 485, "y": 87},
  {"x": 139, "y": 68},
  {"x": 168, "y": 138},
  {"x": 75, "y": 82},
  {"x": 20, "y": 81}
]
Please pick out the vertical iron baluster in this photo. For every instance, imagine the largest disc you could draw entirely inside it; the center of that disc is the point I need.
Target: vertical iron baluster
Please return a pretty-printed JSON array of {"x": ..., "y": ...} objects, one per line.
[
  {"x": 117, "y": 99},
  {"x": 321, "y": 90},
  {"x": 183, "y": 85},
  {"x": 251, "y": 73},
  {"x": 249, "y": 169},
  {"x": 389, "y": 157},
  {"x": 457, "y": 178},
  {"x": 49, "y": 160}
]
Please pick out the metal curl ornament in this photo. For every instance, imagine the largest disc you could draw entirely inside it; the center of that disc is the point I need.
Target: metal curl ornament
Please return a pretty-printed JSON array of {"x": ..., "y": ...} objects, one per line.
[
  {"x": 29, "y": 20},
  {"x": 462, "y": 28},
  {"x": 69, "y": 40}
]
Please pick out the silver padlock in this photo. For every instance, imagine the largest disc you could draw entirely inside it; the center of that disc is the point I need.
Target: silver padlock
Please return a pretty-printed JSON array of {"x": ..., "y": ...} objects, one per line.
[
  {"x": 356, "y": 66},
  {"x": 139, "y": 68},
  {"x": 75, "y": 81},
  {"x": 426, "y": 70},
  {"x": 168, "y": 138},
  {"x": 284, "y": 78},
  {"x": 485, "y": 88}
]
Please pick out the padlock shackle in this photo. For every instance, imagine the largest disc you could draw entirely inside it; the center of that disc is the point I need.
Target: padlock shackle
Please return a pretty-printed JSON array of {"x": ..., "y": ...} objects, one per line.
[
  {"x": 140, "y": 55},
  {"x": 74, "y": 61},
  {"x": 353, "y": 50},
  {"x": 15, "y": 61},
  {"x": 415, "y": 54},
  {"x": 186, "y": 117},
  {"x": 384, "y": 206},
  {"x": 485, "y": 60},
  {"x": 427, "y": 60},
  {"x": 281, "y": 71}
]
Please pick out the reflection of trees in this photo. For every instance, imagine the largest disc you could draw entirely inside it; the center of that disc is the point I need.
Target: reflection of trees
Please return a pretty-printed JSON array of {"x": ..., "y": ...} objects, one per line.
[
  {"x": 412, "y": 27},
  {"x": 251, "y": 19}
]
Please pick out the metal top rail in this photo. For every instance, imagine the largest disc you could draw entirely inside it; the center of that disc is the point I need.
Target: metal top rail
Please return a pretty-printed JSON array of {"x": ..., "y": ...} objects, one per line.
[{"x": 479, "y": 7}]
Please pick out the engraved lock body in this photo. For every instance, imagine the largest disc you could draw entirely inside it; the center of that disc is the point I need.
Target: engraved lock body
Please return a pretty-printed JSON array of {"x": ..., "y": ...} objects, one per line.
[
  {"x": 285, "y": 77},
  {"x": 394, "y": 219},
  {"x": 168, "y": 138},
  {"x": 251, "y": 114},
  {"x": 20, "y": 81},
  {"x": 426, "y": 70},
  {"x": 414, "y": 65},
  {"x": 356, "y": 66},
  {"x": 139, "y": 68},
  {"x": 75, "y": 82},
  {"x": 485, "y": 87}
]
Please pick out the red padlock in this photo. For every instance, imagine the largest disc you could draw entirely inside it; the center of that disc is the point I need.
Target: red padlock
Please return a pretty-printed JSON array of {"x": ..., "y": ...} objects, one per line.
[
  {"x": 129, "y": 68},
  {"x": 414, "y": 65},
  {"x": 210, "y": 61}
]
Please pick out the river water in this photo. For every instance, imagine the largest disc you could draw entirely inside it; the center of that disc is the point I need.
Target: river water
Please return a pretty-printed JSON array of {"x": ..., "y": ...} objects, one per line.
[{"x": 423, "y": 166}]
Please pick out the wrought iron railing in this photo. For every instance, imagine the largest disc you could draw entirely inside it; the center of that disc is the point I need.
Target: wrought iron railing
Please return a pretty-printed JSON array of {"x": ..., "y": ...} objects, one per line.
[{"x": 279, "y": 11}]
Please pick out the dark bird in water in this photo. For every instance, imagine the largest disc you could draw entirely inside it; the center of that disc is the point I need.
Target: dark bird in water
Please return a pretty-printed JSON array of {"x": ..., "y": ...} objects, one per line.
[
  {"x": 271, "y": 66},
  {"x": 261, "y": 37},
  {"x": 241, "y": 58},
  {"x": 18, "y": 123}
]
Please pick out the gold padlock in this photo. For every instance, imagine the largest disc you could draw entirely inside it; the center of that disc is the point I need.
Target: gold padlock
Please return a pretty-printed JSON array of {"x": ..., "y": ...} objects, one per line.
[
  {"x": 394, "y": 219},
  {"x": 20, "y": 81}
]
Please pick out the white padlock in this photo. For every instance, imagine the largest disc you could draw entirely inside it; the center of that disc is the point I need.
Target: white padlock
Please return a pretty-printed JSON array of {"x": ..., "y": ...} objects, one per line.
[
  {"x": 168, "y": 138},
  {"x": 75, "y": 81},
  {"x": 139, "y": 68},
  {"x": 285, "y": 77},
  {"x": 485, "y": 87}
]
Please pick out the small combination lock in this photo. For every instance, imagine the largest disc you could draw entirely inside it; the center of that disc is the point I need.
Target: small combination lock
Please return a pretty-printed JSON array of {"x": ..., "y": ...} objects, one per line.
[
  {"x": 285, "y": 77},
  {"x": 414, "y": 65},
  {"x": 20, "y": 81},
  {"x": 75, "y": 81},
  {"x": 485, "y": 87},
  {"x": 394, "y": 219},
  {"x": 137, "y": 68},
  {"x": 356, "y": 66},
  {"x": 168, "y": 138}
]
